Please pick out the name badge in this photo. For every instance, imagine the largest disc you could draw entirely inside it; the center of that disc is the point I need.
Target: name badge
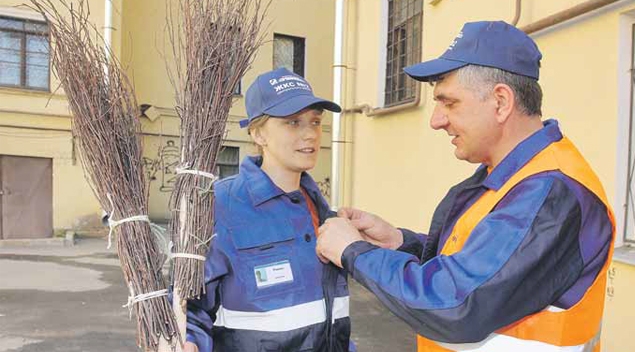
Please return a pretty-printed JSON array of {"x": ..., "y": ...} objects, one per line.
[{"x": 273, "y": 274}]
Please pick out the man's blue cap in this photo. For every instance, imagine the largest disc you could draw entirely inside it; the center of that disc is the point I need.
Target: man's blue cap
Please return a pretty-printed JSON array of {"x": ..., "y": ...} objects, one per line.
[
  {"x": 493, "y": 44},
  {"x": 281, "y": 93}
]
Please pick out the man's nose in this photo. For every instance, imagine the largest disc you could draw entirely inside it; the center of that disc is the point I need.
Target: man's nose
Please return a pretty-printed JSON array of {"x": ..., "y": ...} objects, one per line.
[{"x": 439, "y": 118}]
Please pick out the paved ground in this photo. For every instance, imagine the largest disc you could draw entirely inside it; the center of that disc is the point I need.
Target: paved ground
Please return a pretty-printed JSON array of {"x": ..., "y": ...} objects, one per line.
[{"x": 68, "y": 299}]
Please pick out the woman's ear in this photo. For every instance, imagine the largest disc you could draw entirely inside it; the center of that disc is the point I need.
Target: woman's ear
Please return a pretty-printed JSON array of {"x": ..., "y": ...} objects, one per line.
[{"x": 259, "y": 137}]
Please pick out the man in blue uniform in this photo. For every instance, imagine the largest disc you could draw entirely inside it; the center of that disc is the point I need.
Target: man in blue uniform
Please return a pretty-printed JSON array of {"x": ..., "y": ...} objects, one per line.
[{"x": 513, "y": 250}]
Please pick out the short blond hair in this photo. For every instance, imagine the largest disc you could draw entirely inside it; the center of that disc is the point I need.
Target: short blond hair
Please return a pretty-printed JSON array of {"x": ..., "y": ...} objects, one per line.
[{"x": 256, "y": 124}]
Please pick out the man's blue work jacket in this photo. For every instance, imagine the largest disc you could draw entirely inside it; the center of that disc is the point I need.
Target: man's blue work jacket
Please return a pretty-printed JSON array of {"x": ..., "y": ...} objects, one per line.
[{"x": 542, "y": 245}]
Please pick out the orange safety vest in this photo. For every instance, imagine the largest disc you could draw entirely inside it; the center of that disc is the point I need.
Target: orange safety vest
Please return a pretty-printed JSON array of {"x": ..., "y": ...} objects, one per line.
[{"x": 552, "y": 329}]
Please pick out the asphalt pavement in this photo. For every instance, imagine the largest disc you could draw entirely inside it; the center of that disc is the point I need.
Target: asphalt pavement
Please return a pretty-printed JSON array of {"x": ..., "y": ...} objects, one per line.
[{"x": 69, "y": 299}]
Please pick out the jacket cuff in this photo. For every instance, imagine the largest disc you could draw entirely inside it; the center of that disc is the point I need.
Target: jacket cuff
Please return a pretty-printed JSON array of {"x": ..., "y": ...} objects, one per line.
[
  {"x": 412, "y": 242},
  {"x": 352, "y": 251}
]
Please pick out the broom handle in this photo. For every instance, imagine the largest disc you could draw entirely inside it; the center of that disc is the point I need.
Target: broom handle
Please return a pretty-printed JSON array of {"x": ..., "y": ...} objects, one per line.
[{"x": 178, "y": 306}]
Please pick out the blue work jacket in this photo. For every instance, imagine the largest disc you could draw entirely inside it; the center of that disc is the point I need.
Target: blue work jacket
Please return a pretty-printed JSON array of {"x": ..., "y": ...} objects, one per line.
[
  {"x": 542, "y": 245},
  {"x": 265, "y": 288}
]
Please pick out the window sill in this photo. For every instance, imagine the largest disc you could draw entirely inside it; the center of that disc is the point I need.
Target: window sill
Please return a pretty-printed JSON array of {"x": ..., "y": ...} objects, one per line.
[
  {"x": 625, "y": 254},
  {"x": 32, "y": 92}
]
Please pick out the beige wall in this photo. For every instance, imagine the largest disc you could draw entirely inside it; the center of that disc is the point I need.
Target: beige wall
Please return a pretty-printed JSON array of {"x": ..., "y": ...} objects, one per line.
[
  {"x": 38, "y": 123},
  {"x": 402, "y": 168},
  {"x": 617, "y": 329}
]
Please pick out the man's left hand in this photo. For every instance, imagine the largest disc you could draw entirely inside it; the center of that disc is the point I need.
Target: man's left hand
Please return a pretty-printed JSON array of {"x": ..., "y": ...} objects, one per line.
[{"x": 335, "y": 235}]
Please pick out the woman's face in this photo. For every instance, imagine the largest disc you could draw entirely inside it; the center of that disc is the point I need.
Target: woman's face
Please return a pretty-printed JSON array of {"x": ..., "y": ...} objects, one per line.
[{"x": 291, "y": 143}]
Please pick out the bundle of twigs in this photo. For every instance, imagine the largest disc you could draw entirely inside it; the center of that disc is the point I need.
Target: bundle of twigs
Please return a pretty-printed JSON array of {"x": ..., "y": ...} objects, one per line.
[
  {"x": 213, "y": 45},
  {"x": 106, "y": 127}
]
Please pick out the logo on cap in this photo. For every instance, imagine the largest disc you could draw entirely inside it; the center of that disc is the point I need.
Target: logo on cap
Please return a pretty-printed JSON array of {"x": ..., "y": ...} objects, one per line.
[
  {"x": 456, "y": 39},
  {"x": 287, "y": 83}
]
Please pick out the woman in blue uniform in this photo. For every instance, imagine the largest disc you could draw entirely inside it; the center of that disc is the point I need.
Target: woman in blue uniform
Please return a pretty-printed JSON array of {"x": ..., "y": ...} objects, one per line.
[{"x": 265, "y": 288}]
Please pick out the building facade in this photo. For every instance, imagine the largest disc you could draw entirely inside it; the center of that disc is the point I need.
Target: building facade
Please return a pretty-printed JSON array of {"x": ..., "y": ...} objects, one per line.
[
  {"x": 43, "y": 188},
  {"x": 395, "y": 165}
]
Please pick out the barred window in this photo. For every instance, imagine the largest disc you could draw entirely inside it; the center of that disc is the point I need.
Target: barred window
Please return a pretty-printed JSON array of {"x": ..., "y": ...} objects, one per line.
[
  {"x": 227, "y": 162},
  {"x": 24, "y": 54},
  {"x": 403, "y": 49},
  {"x": 288, "y": 52},
  {"x": 629, "y": 219}
]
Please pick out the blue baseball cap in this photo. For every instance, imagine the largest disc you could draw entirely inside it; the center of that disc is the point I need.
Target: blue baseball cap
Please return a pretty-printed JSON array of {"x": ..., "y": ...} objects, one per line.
[
  {"x": 493, "y": 44},
  {"x": 280, "y": 93}
]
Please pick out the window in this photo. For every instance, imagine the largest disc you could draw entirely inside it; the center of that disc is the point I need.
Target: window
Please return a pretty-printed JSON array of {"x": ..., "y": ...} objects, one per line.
[
  {"x": 403, "y": 48},
  {"x": 288, "y": 52},
  {"x": 227, "y": 162},
  {"x": 629, "y": 219},
  {"x": 24, "y": 54}
]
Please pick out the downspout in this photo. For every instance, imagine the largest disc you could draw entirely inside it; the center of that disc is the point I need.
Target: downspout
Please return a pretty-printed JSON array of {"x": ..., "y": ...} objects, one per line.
[
  {"x": 368, "y": 110},
  {"x": 566, "y": 15},
  {"x": 336, "y": 134},
  {"x": 108, "y": 25},
  {"x": 107, "y": 34},
  {"x": 517, "y": 15}
]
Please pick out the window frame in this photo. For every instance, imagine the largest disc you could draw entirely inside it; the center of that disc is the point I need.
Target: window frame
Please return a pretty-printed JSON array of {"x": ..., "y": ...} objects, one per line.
[
  {"x": 296, "y": 49},
  {"x": 219, "y": 163},
  {"x": 23, "y": 49},
  {"x": 411, "y": 53}
]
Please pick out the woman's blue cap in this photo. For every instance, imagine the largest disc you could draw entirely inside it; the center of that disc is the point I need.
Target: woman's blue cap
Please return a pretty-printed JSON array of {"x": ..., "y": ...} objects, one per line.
[
  {"x": 492, "y": 44},
  {"x": 280, "y": 93}
]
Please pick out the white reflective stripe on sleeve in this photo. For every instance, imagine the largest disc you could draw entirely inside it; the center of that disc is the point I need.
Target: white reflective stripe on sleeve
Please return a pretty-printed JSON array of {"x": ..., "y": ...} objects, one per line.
[
  {"x": 284, "y": 319},
  {"x": 504, "y": 343}
]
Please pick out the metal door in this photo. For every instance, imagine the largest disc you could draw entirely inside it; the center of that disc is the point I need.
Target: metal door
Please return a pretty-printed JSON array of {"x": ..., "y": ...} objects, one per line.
[{"x": 26, "y": 197}]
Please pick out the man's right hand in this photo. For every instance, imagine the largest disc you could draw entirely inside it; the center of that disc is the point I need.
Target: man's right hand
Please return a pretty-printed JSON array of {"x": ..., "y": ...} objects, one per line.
[
  {"x": 190, "y": 347},
  {"x": 373, "y": 228}
]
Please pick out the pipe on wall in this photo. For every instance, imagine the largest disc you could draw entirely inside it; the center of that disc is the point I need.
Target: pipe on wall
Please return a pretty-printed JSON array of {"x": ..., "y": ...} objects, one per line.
[
  {"x": 336, "y": 136},
  {"x": 566, "y": 15}
]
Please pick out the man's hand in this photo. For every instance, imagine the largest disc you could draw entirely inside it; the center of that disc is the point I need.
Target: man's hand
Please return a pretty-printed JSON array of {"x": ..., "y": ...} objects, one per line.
[
  {"x": 335, "y": 235},
  {"x": 373, "y": 228},
  {"x": 190, "y": 347}
]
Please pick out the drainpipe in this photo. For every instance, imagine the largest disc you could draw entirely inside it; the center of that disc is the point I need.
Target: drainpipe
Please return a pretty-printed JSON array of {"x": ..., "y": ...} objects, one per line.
[
  {"x": 368, "y": 110},
  {"x": 107, "y": 33},
  {"x": 108, "y": 24},
  {"x": 517, "y": 15},
  {"x": 336, "y": 136},
  {"x": 566, "y": 15}
]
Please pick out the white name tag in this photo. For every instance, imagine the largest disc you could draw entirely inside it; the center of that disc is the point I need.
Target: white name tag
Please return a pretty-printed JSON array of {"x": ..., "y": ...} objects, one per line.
[{"x": 274, "y": 273}]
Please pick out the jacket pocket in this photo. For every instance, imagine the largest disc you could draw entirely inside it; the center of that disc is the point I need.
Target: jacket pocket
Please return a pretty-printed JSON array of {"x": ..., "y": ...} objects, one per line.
[{"x": 267, "y": 259}]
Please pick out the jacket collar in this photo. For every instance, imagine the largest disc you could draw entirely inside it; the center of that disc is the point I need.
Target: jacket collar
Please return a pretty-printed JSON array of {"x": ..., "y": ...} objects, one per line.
[
  {"x": 522, "y": 153},
  {"x": 261, "y": 188}
]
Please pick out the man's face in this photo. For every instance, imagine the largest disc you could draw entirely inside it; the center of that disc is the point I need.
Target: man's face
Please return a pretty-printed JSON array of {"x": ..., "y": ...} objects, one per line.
[{"x": 468, "y": 118}]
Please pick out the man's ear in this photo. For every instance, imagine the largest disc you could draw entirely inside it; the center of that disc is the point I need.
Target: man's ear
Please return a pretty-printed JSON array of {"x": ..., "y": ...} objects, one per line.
[{"x": 505, "y": 101}]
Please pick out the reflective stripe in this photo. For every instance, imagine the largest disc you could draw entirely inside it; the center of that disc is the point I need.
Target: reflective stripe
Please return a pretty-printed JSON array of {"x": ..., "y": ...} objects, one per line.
[
  {"x": 504, "y": 343},
  {"x": 284, "y": 319},
  {"x": 340, "y": 307},
  {"x": 554, "y": 309}
]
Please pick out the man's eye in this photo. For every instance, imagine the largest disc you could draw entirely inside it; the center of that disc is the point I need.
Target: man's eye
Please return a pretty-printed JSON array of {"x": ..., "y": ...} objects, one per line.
[
  {"x": 317, "y": 122},
  {"x": 292, "y": 122}
]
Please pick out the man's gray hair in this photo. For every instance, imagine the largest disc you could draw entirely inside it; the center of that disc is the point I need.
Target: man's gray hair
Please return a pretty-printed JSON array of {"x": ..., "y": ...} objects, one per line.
[{"x": 482, "y": 79}]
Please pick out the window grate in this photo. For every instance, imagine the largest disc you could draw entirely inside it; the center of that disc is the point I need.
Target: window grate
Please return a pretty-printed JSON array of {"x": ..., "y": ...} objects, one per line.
[
  {"x": 403, "y": 49},
  {"x": 288, "y": 52}
]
